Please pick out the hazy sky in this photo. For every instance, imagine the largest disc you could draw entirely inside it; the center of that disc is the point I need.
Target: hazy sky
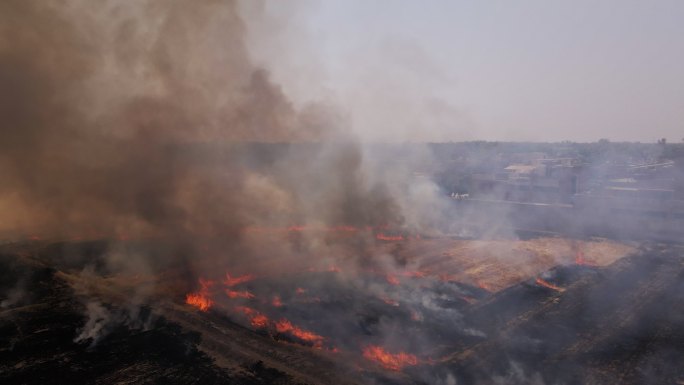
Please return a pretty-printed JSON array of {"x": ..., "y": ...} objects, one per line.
[{"x": 495, "y": 70}]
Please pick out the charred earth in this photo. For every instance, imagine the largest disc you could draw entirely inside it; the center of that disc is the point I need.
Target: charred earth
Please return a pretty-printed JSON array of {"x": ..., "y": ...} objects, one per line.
[{"x": 67, "y": 318}]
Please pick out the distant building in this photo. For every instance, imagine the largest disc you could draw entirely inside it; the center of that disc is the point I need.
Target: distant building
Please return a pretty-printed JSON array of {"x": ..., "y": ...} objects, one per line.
[{"x": 542, "y": 180}]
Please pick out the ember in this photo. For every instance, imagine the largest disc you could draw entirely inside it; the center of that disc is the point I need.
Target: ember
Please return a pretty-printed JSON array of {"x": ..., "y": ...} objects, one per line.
[
  {"x": 548, "y": 285},
  {"x": 468, "y": 299},
  {"x": 483, "y": 285},
  {"x": 446, "y": 277},
  {"x": 384, "y": 237},
  {"x": 415, "y": 274},
  {"x": 392, "y": 279},
  {"x": 389, "y": 301},
  {"x": 234, "y": 281},
  {"x": 257, "y": 319},
  {"x": 285, "y": 326},
  {"x": 239, "y": 294},
  {"x": 347, "y": 229},
  {"x": 388, "y": 360}
]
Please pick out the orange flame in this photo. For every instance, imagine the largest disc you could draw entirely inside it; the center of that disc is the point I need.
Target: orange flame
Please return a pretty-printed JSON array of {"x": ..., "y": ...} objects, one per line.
[
  {"x": 348, "y": 229},
  {"x": 415, "y": 274},
  {"x": 257, "y": 319},
  {"x": 389, "y": 301},
  {"x": 483, "y": 285},
  {"x": 201, "y": 299},
  {"x": 285, "y": 326},
  {"x": 239, "y": 294},
  {"x": 392, "y": 279},
  {"x": 549, "y": 285},
  {"x": 300, "y": 291},
  {"x": 276, "y": 301},
  {"x": 446, "y": 277},
  {"x": 300, "y": 228},
  {"x": 233, "y": 281},
  {"x": 384, "y": 237},
  {"x": 388, "y": 360}
]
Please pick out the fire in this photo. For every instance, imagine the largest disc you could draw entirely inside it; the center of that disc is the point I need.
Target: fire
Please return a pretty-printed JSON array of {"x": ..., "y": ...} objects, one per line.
[
  {"x": 415, "y": 274},
  {"x": 300, "y": 291},
  {"x": 388, "y": 360},
  {"x": 257, "y": 319},
  {"x": 276, "y": 301},
  {"x": 301, "y": 228},
  {"x": 389, "y": 301},
  {"x": 346, "y": 229},
  {"x": 392, "y": 279},
  {"x": 260, "y": 321},
  {"x": 233, "y": 281},
  {"x": 579, "y": 260},
  {"x": 239, "y": 294},
  {"x": 446, "y": 277},
  {"x": 201, "y": 299},
  {"x": 285, "y": 326},
  {"x": 384, "y": 237},
  {"x": 483, "y": 285},
  {"x": 549, "y": 285}
]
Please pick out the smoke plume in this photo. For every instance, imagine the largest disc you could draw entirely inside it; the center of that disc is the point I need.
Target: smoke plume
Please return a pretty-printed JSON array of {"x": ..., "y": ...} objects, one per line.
[{"x": 112, "y": 114}]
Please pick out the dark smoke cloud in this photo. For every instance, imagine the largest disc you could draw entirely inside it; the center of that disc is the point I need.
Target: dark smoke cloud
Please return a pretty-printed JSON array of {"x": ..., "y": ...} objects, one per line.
[{"x": 99, "y": 103}]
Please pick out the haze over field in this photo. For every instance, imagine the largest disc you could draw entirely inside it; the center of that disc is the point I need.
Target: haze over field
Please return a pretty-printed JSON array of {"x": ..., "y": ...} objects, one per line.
[{"x": 453, "y": 70}]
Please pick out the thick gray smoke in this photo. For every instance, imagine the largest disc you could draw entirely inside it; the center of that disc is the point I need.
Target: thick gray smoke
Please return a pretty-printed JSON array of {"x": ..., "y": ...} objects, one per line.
[
  {"x": 102, "y": 102},
  {"x": 144, "y": 119}
]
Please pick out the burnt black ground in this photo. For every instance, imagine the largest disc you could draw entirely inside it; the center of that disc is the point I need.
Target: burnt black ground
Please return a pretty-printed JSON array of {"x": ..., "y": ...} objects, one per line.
[
  {"x": 37, "y": 345},
  {"x": 620, "y": 324}
]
